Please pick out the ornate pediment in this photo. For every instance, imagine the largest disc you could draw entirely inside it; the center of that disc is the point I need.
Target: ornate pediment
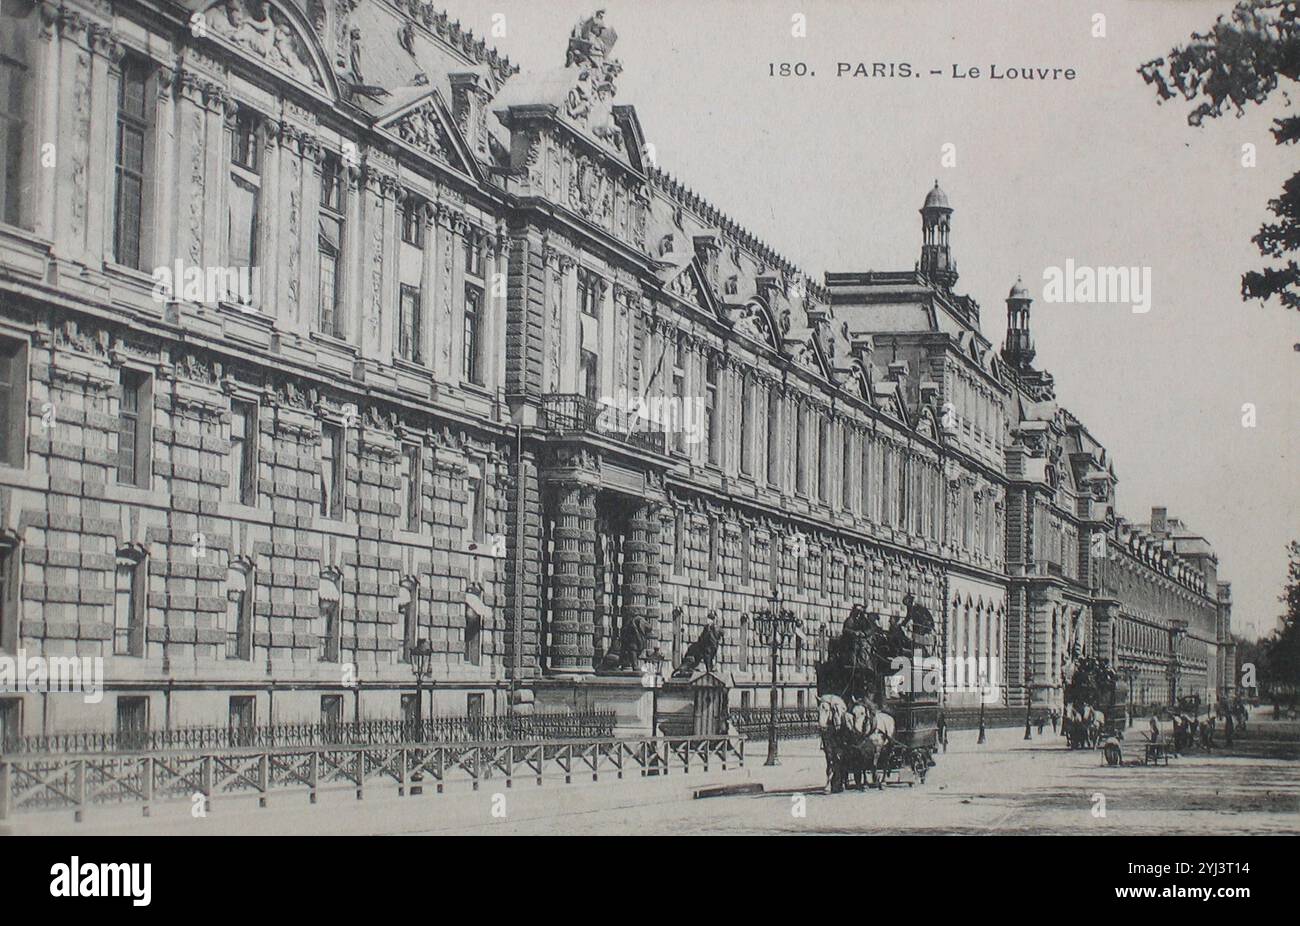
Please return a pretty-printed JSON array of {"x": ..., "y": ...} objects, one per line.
[
  {"x": 423, "y": 128},
  {"x": 266, "y": 33}
]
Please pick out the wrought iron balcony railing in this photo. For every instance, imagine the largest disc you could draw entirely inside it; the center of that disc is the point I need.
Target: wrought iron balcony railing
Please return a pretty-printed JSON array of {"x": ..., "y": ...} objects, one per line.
[{"x": 579, "y": 414}]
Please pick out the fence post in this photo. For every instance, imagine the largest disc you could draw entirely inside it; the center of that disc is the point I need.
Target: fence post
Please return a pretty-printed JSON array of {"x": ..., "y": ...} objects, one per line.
[
  {"x": 361, "y": 772},
  {"x": 263, "y": 777},
  {"x": 146, "y": 772},
  {"x": 79, "y": 789},
  {"x": 205, "y": 784},
  {"x": 314, "y": 774},
  {"x": 4, "y": 790}
]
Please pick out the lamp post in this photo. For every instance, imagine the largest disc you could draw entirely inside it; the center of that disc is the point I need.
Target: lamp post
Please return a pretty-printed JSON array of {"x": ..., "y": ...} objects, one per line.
[
  {"x": 774, "y": 626},
  {"x": 981, "y": 740},
  {"x": 421, "y": 656},
  {"x": 1131, "y": 673}
]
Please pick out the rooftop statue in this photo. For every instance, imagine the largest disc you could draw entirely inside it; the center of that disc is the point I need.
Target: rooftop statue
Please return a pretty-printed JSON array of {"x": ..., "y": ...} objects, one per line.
[{"x": 590, "y": 42}]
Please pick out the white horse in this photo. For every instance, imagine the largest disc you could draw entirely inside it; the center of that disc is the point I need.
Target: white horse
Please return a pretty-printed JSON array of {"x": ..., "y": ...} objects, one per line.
[{"x": 832, "y": 717}]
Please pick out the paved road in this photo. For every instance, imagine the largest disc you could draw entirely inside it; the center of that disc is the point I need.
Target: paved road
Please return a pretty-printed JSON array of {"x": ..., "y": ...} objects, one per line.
[{"x": 1004, "y": 786}]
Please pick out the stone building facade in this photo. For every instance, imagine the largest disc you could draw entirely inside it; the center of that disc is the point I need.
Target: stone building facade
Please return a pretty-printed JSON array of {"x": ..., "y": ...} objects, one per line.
[{"x": 325, "y": 331}]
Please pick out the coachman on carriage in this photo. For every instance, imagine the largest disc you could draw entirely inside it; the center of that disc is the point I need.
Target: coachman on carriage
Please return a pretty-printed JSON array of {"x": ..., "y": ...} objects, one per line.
[{"x": 867, "y": 725}]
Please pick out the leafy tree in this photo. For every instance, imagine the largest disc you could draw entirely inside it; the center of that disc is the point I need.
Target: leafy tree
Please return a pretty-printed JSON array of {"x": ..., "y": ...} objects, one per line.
[
  {"x": 1243, "y": 59},
  {"x": 1282, "y": 650}
]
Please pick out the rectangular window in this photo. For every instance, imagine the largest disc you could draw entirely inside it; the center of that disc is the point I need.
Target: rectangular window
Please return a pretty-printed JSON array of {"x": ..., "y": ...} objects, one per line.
[
  {"x": 746, "y": 553},
  {"x": 245, "y": 192},
  {"x": 243, "y": 452},
  {"x": 589, "y": 376},
  {"x": 823, "y": 460},
  {"x": 474, "y": 254},
  {"x": 714, "y": 550},
  {"x": 329, "y": 247},
  {"x": 589, "y": 293},
  {"x": 239, "y": 637},
  {"x": 846, "y": 470},
  {"x": 773, "y": 436},
  {"x": 13, "y": 403},
  {"x": 11, "y": 722},
  {"x": 331, "y": 711},
  {"x": 134, "y": 429},
  {"x": 243, "y": 716},
  {"x": 411, "y": 479},
  {"x": 132, "y": 132},
  {"x": 15, "y": 86},
  {"x": 713, "y": 430},
  {"x": 471, "y": 371},
  {"x": 128, "y": 608},
  {"x": 413, "y": 222},
  {"x": 9, "y": 586},
  {"x": 409, "y": 324},
  {"x": 330, "y": 631},
  {"x": 331, "y": 471},
  {"x": 132, "y": 721},
  {"x": 476, "y": 509},
  {"x": 473, "y": 638},
  {"x": 747, "y": 426},
  {"x": 679, "y": 552},
  {"x": 800, "y": 456}
]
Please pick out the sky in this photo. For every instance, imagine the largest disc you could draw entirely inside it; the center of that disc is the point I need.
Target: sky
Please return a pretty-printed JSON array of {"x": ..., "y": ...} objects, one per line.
[{"x": 830, "y": 171}]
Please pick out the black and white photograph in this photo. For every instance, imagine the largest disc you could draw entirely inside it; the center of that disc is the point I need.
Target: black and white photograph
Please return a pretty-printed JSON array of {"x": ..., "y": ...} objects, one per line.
[{"x": 650, "y": 418}]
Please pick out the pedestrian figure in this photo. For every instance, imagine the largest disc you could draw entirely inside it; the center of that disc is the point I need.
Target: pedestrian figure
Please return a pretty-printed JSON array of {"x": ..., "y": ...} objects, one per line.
[
  {"x": 1228, "y": 730},
  {"x": 943, "y": 730},
  {"x": 1042, "y": 722},
  {"x": 1055, "y": 717}
]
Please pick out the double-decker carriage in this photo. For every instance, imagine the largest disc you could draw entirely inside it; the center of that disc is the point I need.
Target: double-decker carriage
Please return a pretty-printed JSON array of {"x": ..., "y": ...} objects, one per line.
[{"x": 871, "y": 723}]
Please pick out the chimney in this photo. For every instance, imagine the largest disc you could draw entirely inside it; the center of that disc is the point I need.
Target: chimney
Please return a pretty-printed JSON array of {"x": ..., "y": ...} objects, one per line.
[{"x": 1159, "y": 520}]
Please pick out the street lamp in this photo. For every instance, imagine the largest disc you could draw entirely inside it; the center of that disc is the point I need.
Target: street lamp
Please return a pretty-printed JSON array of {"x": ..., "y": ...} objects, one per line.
[
  {"x": 421, "y": 656},
  {"x": 1131, "y": 673},
  {"x": 774, "y": 626},
  {"x": 981, "y": 740}
]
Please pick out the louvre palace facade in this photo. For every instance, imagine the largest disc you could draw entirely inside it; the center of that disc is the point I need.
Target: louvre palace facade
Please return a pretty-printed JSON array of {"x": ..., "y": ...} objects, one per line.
[{"x": 325, "y": 330}]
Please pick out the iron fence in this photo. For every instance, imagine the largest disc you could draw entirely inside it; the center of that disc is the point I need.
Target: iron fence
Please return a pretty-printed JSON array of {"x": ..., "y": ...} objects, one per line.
[
  {"x": 77, "y": 783},
  {"x": 462, "y": 729},
  {"x": 791, "y": 722}
]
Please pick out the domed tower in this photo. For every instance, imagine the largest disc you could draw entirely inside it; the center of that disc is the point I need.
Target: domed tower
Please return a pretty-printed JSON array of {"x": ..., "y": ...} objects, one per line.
[
  {"x": 1018, "y": 351},
  {"x": 936, "y": 255}
]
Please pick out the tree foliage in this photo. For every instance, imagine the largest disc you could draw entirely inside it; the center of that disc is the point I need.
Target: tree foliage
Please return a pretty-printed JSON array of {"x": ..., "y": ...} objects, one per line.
[{"x": 1244, "y": 58}]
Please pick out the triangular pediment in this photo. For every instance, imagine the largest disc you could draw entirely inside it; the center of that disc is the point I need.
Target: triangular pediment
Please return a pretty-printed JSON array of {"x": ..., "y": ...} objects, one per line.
[
  {"x": 424, "y": 123},
  {"x": 689, "y": 285}
]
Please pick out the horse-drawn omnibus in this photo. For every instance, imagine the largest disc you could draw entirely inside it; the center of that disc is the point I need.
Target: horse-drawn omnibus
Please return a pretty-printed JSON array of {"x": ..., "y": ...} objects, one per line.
[{"x": 872, "y": 721}]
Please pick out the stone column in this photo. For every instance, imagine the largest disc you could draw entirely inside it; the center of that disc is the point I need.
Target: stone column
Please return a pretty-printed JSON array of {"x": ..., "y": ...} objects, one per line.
[
  {"x": 573, "y": 602},
  {"x": 639, "y": 547}
]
